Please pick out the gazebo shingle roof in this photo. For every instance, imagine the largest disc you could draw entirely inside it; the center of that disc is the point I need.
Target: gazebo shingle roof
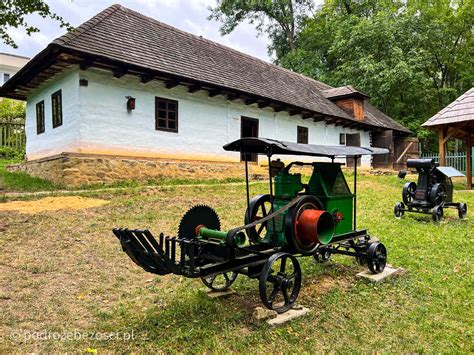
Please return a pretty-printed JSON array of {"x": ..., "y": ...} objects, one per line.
[{"x": 460, "y": 110}]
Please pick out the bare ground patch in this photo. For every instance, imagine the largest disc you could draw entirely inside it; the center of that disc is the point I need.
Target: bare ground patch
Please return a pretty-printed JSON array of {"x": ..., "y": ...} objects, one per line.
[{"x": 52, "y": 204}]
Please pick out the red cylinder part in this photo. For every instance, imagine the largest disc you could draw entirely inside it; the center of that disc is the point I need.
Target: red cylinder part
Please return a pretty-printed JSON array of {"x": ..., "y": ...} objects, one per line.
[{"x": 315, "y": 226}]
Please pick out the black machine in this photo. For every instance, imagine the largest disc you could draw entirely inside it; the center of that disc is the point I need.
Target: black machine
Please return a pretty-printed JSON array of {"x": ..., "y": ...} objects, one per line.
[
  {"x": 432, "y": 193},
  {"x": 294, "y": 219}
]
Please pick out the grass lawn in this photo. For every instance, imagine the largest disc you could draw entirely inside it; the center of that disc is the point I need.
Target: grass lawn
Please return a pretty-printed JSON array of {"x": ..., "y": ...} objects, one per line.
[{"x": 64, "y": 272}]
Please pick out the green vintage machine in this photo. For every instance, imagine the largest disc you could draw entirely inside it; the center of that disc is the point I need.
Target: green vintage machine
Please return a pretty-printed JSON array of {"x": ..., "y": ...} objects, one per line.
[{"x": 294, "y": 219}]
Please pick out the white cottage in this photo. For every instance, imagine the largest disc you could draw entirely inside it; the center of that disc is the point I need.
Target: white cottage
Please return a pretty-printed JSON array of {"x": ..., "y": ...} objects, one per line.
[{"x": 126, "y": 96}]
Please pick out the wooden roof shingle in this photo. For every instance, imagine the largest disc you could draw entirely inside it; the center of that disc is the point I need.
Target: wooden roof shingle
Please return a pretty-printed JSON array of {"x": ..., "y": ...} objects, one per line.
[
  {"x": 127, "y": 37},
  {"x": 460, "y": 110}
]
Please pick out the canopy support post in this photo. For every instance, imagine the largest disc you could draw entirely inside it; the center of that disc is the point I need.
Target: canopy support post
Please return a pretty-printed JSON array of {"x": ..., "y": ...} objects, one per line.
[
  {"x": 469, "y": 161},
  {"x": 271, "y": 196},
  {"x": 247, "y": 185},
  {"x": 354, "y": 219}
]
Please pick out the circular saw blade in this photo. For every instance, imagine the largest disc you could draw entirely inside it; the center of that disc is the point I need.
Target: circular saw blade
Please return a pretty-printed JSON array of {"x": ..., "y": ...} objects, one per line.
[{"x": 196, "y": 216}]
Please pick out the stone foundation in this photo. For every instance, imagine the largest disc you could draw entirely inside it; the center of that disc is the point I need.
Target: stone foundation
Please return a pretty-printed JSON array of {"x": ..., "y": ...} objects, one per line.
[{"x": 76, "y": 169}]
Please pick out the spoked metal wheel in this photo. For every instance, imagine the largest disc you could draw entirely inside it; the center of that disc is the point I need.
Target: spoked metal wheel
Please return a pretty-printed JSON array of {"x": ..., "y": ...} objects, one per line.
[
  {"x": 280, "y": 282},
  {"x": 376, "y": 257},
  {"x": 322, "y": 255},
  {"x": 462, "y": 210},
  {"x": 399, "y": 210},
  {"x": 259, "y": 207},
  {"x": 408, "y": 192},
  {"x": 220, "y": 282},
  {"x": 438, "y": 213}
]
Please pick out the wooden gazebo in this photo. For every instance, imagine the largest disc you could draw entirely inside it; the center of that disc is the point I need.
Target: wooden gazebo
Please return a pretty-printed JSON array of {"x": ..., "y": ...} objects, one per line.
[{"x": 457, "y": 121}]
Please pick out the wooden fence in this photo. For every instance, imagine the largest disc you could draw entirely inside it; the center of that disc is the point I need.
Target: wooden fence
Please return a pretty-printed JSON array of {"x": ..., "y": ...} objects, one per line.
[
  {"x": 456, "y": 160},
  {"x": 12, "y": 134}
]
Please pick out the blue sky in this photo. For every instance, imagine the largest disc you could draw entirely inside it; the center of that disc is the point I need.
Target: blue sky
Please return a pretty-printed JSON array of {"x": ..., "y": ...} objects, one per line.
[{"x": 188, "y": 15}]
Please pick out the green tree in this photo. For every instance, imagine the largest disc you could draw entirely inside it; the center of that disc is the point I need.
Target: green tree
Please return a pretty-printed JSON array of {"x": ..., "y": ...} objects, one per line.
[
  {"x": 12, "y": 110},
  {"x": 13, "y": 14},
  {"x": 411, "y": 57},
  {"x": 279, "y": 19}
]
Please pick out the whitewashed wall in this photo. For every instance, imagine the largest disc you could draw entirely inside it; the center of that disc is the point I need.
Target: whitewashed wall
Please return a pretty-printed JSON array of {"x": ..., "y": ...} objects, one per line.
[
  {"x": 60, "y": 139},
  {"x": 205, "y": 124}
]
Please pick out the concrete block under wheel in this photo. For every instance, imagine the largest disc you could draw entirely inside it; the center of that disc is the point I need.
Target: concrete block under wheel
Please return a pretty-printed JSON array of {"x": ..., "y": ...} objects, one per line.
[
  {"x": 296, "y": 312},
  {"x": 219, "y": 294},
  {"x": 387, "y": 272}
]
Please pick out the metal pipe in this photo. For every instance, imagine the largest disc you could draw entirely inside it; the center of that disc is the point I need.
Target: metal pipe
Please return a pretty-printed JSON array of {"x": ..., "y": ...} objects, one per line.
[
  {"x": 271, "y": 198},
  {"x": 356, "y": 158},
  {"x": 247, "y": 186}
]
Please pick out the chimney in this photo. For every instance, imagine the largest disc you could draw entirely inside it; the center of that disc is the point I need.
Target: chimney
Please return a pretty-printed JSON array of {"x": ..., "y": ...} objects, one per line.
[{"x": 348, "y": 99}]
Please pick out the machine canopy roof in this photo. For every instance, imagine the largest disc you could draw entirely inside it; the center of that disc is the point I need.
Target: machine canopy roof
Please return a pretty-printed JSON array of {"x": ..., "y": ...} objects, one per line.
[
  {"x": 449, "y": 171},
  {"x": 272, "y": 146}
]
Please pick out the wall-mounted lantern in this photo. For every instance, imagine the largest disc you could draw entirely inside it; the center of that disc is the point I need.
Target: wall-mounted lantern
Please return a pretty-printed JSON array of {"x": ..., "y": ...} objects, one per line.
[{"x": 130, "y": 103}]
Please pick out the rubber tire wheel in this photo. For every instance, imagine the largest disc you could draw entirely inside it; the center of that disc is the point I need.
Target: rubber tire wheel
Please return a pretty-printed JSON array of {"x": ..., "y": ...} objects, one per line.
[
  {"x": 398, "y": 210},
  {"x": 408, "y": 192},
  {"x": 462, "y": 210},
  {"x": 229, "y": 281},
  {"x": 263, "y": 279},
  {"x": 376, "y": 257},
  {"x": 437, "y": 213}
]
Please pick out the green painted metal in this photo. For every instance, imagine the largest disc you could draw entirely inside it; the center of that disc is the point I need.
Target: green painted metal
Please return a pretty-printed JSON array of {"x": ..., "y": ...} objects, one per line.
[
  {"x": 329, "y": 185},
  {"x": 211, "y": 234}
]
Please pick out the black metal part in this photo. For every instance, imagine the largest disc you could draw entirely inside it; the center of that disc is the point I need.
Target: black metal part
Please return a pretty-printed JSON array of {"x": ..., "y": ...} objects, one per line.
[
  {"x": 376, "y": 257},
  {"x": 284, "y": 281},
  {"x": 432, "y": 193},
  {"x": 220, "y": 282},
  {"x": 255, "y": 207}
]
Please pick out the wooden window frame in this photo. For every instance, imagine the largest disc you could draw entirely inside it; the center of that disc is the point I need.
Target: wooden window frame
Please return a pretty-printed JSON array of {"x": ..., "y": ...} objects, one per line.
[
  {"x": 302, "y": 135},
  {"x": 167, "y": 111},
  {"x": 342, "y": 141},
  {"x": 40, "y": 122},
  {"x": 57, "y": 109}
]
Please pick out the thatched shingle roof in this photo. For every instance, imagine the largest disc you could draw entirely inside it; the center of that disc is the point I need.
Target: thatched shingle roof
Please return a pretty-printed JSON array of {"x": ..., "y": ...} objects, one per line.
[
  {"x": 460, "y": 110},
  {"x": 122, "y": 37}
]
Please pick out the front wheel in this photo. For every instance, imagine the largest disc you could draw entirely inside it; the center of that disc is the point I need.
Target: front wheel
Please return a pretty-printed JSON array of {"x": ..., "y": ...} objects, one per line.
[
  {"x": 280, "y": 282},
  {"x": 220, "y": 282},
  {"x": 376, "y": 257},
  {"x": 437, "y": 213},
  {"x": 462, "y": 210},
  {"x": 399, "y": 210}
]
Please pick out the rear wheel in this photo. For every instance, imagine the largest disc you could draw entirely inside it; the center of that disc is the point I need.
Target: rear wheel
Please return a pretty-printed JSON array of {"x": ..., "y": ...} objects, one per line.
[{"x": 437, "y": 194}]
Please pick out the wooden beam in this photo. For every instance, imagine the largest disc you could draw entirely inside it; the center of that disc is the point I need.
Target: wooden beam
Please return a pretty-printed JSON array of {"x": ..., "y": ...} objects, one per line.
[
  {"x": 294, "y": 112},
  {"x": 318, "y": 118},
  {"x": 119, "y": 72},
  {"x": 263, "y": 104},
  {"x": 232, "y": 97},
  {"x": 145, "y": 78},
  {"x": 404, "y": 152},
  {"x": 307, "y": 115},
  {"x": 194, "y": 88},
  {"x": 469, "y": 161},
  {"x": 442, "y": 146},
  {"x": 213, "y": 93},
  {"x": 250, "y": 101},
  {"x": 171, "y": 84},
  {"x": 86, "y": 64},
  {"x": 331, "y": 121},
  {"x": 278, "y": 108}
]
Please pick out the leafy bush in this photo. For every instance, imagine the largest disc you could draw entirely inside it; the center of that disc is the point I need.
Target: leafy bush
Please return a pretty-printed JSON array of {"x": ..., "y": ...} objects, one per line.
[{"x": 11, "y": 153}]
